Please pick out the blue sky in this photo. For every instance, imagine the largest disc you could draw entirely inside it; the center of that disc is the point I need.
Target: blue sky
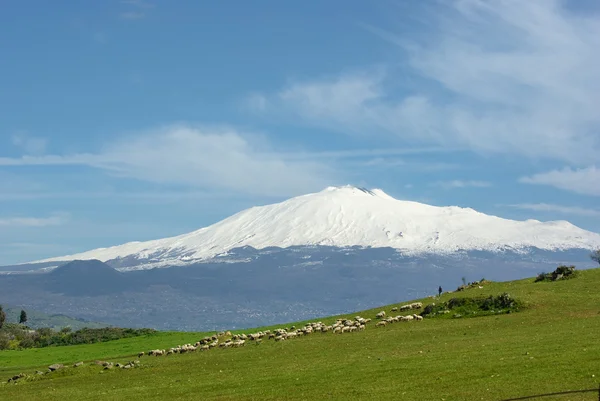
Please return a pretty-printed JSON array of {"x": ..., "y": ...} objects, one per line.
[{"x": 134, "y": 120}]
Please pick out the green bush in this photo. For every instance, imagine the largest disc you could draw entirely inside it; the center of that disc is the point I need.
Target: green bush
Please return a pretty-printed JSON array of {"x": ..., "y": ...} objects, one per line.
[
  {"x": 561, "y": 273},
  {"x": 27, "y": 342},
  {"x": 479, "y": 306},
  {"x": 4, "y": 341}
]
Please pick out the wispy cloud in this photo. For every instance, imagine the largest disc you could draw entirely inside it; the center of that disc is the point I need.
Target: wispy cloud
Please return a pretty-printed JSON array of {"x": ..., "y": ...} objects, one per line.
[
  {"x": 30, "y": 144},
  {"x": 407, "y": 164},
  {"x": 366, "y": 153},
  {"x": 54, "y": 220},
  {"x": 585, "y": 181},
  {"x": 159, "y": 196},
  {"x": 47, "y": 160},
  {"x": 255, "y": 102},
  {"x": 222, "y": 159},
  {"x": 454, "y": 184},
  {"x": 138, "y": 9},
  {"x": 490, "y": 76},
  {"x": 214, "y": 158},
  {"x": 343, "y": 154},
  {"x": 545, "y": 207}
]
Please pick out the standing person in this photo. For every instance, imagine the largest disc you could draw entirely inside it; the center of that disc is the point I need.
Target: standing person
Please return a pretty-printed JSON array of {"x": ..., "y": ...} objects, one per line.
[{"x": 440, "y": 291}]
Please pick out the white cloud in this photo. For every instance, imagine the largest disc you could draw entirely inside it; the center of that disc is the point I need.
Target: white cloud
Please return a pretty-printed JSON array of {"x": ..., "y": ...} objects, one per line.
[
  {"x": 139, "y": 8},
  {"x": 453, "y": 184},
  {"x": 364, "y": 153},
  {"x": 256, "y": 102},
  {"x": 340, "y": 100},
  {"x": 545, "y": 207},
  {"x": 47, "y": 160},
  {"x": 490, "y": 76},
  {"x": 213, "y": 158},
  {"x": 54, "y": 220},
  {"x": 405, "y": 164},
  {"x": 114, "y": 195},
  {"x": 584, "y": 181},
  {"x": 30, "y": 144}
]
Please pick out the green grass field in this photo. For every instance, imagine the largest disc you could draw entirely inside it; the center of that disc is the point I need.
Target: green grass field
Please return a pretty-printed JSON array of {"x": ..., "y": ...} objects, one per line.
[{"x": 552, "y": 345}]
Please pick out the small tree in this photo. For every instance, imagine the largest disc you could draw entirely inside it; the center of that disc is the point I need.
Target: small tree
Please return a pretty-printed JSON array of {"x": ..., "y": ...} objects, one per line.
[
  {"x": 23, "y": 317},
  {"x": 595, "y": 256},
  {"x": 2, "y": 317}
]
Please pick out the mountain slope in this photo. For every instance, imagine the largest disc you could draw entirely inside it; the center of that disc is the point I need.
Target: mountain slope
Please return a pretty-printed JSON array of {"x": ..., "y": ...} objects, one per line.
[
  {"x": 37, "y": 319},
  {"x": 350, "y": 216},
  {"x": 86, "y": 277}
]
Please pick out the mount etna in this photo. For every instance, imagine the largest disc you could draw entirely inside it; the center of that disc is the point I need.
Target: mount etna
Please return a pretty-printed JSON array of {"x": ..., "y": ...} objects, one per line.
[{"x": 338, "y": 250}]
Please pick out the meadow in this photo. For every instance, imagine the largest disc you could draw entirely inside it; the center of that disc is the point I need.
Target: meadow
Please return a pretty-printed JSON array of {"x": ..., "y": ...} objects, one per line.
[{"x": 552, "y": 344}]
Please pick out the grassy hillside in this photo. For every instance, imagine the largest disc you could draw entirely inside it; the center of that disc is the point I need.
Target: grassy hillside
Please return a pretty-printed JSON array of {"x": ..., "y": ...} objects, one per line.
[
  {"x": 551, "y": 345},
  {"x": 36, "y": 320}
]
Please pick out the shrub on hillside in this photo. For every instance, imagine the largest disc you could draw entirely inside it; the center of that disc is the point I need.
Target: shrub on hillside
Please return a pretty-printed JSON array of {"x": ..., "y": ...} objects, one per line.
[
  {"x": 4, "y": 341},
  {"x": 502, "y": 303},
  {"x": 561, "y": 273},
  {"x": 27, "y": 342},
  {"x": 90, "y": 336}
]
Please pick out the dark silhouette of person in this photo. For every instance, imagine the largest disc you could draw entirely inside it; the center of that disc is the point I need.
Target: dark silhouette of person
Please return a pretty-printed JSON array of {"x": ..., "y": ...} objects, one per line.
[{"x": 440, "y": 291}]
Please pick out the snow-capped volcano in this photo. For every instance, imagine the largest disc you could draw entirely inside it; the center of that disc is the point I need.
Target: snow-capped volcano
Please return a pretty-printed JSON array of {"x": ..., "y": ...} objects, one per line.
[{"x": 350, "y": 216}]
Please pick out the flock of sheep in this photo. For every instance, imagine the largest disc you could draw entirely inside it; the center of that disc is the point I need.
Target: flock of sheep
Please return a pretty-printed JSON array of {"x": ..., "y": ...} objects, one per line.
[
  {"x": 400, "y": 318},
  {"x": 228, "y": 340}
]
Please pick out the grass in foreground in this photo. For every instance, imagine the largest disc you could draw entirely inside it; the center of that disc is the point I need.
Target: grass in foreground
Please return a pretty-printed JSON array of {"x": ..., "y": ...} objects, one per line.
[{"x": 551, "y": 345}]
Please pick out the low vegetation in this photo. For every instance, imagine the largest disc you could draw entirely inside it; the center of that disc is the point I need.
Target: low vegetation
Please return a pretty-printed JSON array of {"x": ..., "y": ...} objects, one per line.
[
  {"x": 471, "y": 307},
  {"x": 17, "y": 336},
  {"x": 561, "y": 273},
  {"x": 500, "y": 355}
]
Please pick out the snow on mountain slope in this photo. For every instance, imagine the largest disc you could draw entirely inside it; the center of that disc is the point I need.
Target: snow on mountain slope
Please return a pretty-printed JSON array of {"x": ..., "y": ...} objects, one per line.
[{"x": 347, "y": 216}]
